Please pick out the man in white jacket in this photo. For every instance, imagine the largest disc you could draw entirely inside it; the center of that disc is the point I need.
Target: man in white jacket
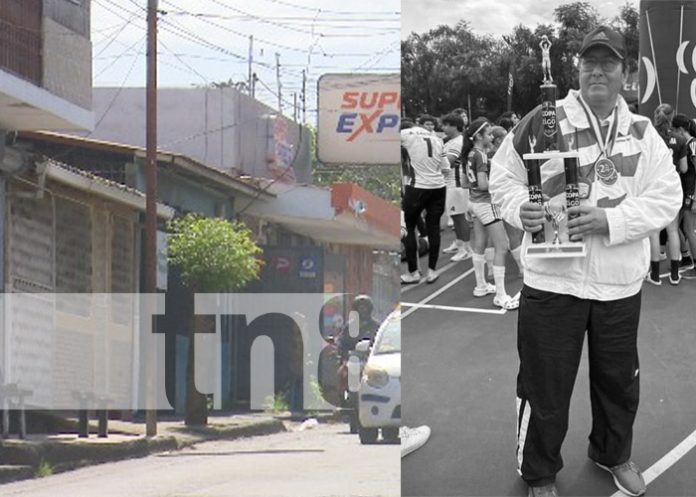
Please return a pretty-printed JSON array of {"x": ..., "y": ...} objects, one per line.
[{"x": 629, "y": 188}]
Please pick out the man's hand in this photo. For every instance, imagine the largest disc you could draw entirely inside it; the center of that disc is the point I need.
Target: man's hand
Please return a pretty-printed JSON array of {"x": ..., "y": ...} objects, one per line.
[
  {"x": 532, "y": 217},
  {"x": 590, "y": 220}
]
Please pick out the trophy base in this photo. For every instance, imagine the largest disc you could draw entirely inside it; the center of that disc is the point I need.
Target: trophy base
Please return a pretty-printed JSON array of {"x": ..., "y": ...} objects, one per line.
[{"x": 556, "y": 250}]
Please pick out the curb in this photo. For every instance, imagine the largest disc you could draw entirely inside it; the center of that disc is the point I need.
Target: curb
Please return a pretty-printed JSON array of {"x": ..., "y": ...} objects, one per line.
[{"x": 23, "y": 458}]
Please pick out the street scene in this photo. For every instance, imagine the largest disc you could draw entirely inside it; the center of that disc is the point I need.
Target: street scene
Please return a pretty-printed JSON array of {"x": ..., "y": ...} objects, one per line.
[
  {"x": 316, "y": 461},
  {"x": 547, "y": 274},
  {"x": 199, "y": 205}
]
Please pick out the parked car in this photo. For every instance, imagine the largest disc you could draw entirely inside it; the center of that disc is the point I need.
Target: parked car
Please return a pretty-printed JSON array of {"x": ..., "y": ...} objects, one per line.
[{"x": 379, "y": 405}]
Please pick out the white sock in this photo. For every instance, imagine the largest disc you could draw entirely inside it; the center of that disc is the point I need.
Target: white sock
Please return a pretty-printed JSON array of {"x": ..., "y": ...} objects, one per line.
[
  {"x": 459, "y": 244},
  {"x": 466, "y": 246},
  {"x": 516, "y": 255},
  {"x": 499, "y": 278},
  {"x": 479, "y": 269},
  {"x": 489, "y": 254}
]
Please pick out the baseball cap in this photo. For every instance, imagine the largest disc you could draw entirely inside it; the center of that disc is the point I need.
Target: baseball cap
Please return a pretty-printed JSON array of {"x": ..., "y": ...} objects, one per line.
[{"x": 606, "y": 37}]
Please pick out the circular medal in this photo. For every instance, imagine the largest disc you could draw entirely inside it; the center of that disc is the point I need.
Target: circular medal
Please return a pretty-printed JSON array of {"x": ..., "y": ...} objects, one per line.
[{"x": 606, "y": 171}]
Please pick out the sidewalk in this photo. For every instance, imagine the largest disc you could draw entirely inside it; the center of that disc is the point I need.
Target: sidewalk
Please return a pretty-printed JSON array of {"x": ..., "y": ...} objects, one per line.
[{"x": 41, "y": 455}]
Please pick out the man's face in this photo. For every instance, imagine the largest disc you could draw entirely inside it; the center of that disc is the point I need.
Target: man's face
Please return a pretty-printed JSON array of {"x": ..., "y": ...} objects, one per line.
[
  {"x": 449, "y": 130},
  {"x": 429, "y": 125},
  {"x": 515, "y": 119},
  {"x": 601, "y": 76}
]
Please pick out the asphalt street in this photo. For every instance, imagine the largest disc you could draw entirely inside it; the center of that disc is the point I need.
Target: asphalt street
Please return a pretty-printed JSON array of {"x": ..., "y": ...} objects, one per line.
[
  {"x": 460, "y": 366},
  {"x": 323, "y": 461}
]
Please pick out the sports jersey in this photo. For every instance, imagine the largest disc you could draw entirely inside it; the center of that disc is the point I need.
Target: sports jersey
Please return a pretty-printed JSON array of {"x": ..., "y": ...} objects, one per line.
[
  {"x": 688, "y": 179},
  {"x": 677, "y": 144},
  {"x": 477, "y": 162},
  {"x": 424, "y": 151},
  {"x": 453, "y": 150}
]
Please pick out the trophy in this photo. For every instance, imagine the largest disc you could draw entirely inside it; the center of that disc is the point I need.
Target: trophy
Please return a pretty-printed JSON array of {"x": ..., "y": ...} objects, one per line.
[{"x": 552, "y": 241}]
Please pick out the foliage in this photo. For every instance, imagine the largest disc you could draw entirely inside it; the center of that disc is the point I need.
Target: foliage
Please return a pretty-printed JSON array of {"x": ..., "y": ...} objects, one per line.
[
  {"x": 449, "y": 67},
  {"x": 276, "y": 404},
  {"x": 214, "y": 254},
  {"x": 43, "y": 469},
  {"x": 383, "y": 181}
]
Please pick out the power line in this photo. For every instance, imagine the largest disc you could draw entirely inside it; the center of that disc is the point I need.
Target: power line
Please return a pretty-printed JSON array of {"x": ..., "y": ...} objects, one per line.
[
  {"x": 338, "y": 12},
  {"x": 189, "y": 67}
]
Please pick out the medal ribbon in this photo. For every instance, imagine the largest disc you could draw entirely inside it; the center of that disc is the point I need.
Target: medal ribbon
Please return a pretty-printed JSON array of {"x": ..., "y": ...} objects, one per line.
[{"x": 606, "y": 145}]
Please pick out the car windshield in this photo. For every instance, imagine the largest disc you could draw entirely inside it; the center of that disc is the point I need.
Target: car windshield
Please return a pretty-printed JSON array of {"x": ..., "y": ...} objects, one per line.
[{"x": 390, "y": 338}]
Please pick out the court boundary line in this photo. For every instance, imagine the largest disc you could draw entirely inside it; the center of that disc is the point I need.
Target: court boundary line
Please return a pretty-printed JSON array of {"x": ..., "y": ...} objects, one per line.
[
  {"x": 456, "y": 309},
  {"x": 441, "y": 271},
  {"x": 666, "y": 461},
  {"x": 438, "y": 292}
]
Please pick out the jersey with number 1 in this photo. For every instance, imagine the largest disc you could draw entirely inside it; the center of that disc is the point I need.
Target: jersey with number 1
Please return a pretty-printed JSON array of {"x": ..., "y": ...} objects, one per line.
[{"x": 425, "y": 155}]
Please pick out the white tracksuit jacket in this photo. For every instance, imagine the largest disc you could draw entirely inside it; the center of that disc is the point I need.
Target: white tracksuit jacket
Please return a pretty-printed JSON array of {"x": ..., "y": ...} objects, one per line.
[{"x": 644, "y": 198}]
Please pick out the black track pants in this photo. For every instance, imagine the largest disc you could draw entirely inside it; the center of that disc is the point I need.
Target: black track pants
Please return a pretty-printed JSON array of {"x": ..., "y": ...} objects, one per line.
[{"x": 550, "y": 334}]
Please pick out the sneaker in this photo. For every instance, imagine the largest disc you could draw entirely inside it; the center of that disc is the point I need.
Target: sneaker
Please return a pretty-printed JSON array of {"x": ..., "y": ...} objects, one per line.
[
  {"x": 483, "y": 291},
  {"x": 627, "y": 478},
  {"x": 410, "y": 278},
  {"x": 685, "y": 264},
  {"x": 545, "y": 491},
  {"x": 413, "y": 438},
  {"x": 649, "y": 279},
  {"x": 461, "y": 255},
  {"x": 506, "y": 302},
  {"x": 689, "y": 275},
  {"x": 432, "y": 276},
  {"x": 452, "y": 249},
  {"x": 676, "y": 281}
]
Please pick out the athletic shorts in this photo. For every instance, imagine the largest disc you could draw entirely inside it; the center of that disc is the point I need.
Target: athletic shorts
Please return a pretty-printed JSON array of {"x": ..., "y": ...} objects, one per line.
[
  {"x": 485, "y": 212},
  {"x": 457, "y": 201}
]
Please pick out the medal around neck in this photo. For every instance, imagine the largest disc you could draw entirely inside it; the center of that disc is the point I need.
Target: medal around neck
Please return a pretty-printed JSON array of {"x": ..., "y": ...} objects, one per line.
[{"x": 552, "y": 241}]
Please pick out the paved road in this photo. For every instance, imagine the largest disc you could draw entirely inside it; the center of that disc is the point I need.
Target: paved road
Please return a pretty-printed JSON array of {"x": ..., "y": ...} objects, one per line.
[
  {"x": 460, "y": 363},
  {"x": 324, "y": 461}
]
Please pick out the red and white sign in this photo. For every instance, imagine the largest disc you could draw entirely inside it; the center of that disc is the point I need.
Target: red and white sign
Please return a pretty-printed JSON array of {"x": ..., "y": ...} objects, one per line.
[{"x": 359, "y": 119}]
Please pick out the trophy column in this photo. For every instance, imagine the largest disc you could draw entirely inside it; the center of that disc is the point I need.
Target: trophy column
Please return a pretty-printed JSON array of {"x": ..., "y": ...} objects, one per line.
[{"x": 552, "y": 241}]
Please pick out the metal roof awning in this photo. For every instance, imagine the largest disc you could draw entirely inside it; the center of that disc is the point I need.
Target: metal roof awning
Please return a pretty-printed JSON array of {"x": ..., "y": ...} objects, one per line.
[{"x": 310, "y": 211}]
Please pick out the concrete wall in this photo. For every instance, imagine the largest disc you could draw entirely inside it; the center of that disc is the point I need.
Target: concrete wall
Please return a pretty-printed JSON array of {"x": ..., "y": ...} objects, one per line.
[
  {"x": 67, "y": 63},
  {"x": 219, "y": 127}
]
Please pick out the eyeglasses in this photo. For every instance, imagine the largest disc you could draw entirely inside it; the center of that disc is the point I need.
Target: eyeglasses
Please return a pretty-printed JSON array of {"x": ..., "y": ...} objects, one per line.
[{"x": 607, "y": 64}]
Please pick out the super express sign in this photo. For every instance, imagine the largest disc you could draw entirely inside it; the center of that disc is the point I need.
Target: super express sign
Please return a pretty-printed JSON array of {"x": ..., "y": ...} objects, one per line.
[
  {"x": 367, "y": 112},
  {"x": 359, "y": 118}
]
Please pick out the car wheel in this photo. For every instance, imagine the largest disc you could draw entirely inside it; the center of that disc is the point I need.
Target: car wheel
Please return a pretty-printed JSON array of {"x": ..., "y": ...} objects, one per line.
[
  {"x": 390, "y": 435},
  {"x": 367, "y": 435}
]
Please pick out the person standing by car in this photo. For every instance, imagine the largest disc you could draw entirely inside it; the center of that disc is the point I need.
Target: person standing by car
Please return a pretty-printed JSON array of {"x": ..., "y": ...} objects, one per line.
[{"x": 630, "y": 188}]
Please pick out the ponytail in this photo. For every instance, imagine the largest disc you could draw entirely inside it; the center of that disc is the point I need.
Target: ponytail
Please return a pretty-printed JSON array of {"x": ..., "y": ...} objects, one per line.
[{"x": 662, "y": 120}]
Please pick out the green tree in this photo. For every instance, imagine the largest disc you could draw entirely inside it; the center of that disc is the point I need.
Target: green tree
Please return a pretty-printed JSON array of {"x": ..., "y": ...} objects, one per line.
[
  {"x": 381, "y": 180},
  {"x": 214, "y": 255},
  {"x": 627, "y": 24}
]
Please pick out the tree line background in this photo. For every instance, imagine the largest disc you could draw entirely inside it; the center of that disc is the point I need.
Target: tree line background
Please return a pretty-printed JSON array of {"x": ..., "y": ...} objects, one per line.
[{"x": 449, "y": 67}]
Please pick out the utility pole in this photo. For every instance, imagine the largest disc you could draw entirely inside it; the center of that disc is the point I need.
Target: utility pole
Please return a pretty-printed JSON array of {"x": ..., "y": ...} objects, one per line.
[
  {"x": 294, "y": 106},
  {"x": 280, "y": 87},
  {"x": 251, "y": 63},
  {"x": 304, "y": 96},
  {"x": 151, "y": 201}
]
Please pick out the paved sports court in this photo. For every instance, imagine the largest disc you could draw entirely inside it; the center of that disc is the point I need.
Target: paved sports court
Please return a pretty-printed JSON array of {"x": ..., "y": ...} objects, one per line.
[{"x": 460, "y": 364}]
